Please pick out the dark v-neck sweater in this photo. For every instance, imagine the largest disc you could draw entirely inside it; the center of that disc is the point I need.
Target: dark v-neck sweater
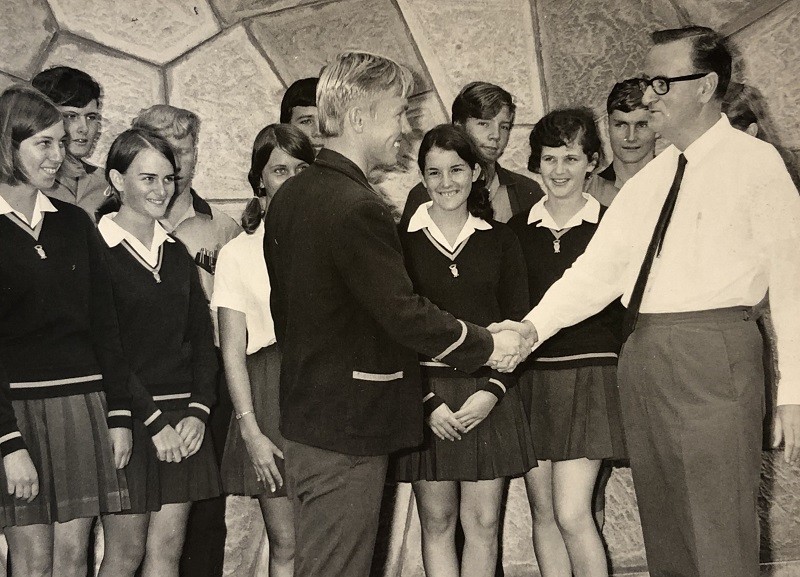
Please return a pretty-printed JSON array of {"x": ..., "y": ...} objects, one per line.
[
  {"x": 58, "y": 328},
  {"x": 166, "y": 333},
  {"x": 594, "y": 341}
]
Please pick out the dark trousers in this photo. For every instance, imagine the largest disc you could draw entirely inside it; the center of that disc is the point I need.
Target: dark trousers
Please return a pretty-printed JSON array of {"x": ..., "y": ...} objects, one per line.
[
  {"x": 692, "y": 392},
  {"x": 336, "y": 500},
  {"x": 204, "y": 549}
]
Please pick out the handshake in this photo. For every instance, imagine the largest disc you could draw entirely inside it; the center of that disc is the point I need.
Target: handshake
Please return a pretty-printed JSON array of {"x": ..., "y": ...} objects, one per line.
[{"x": 513, "y": 342}]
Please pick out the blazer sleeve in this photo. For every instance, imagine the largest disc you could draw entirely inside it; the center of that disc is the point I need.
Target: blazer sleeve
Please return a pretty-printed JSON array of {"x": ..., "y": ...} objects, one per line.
[
  {"x": 105, "y": 333},
  {"x": 204, "y": 355},
  {"x": 368, "y": 254}
]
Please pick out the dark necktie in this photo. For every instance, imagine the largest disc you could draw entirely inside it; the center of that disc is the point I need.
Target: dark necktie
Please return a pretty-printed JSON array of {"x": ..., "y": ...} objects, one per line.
[{"x": 653, "y": 250}]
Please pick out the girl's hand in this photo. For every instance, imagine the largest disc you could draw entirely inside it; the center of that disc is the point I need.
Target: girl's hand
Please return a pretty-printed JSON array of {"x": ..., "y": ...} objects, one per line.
[
  {"x": 263, "y": 453},
  {"x": 21, "y": 476},
  {"x": 169, "y": 445},
  {"x": 475, "y": 409},
  {"x": 444, "y": 424},
  {"x": 122, "y": 445},
  {"x": 192, "y": 430}
]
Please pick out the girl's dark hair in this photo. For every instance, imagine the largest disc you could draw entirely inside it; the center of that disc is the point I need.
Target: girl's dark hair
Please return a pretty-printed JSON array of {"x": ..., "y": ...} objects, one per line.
[
  {"x": 121, "y": 155},
  {"x": 455, "y": 138},
  {"x": 560, "y": 128},
  {"x": 24, "y": 112},
  {"x": 288, "y": 138}
]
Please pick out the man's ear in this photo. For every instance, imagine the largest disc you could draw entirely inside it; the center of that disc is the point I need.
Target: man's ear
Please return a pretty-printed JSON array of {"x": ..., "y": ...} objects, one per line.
[
  {"x": 752, "y": 129},
  {"x": 708, "y": 86},
  {"x": 356, "y": 117}
]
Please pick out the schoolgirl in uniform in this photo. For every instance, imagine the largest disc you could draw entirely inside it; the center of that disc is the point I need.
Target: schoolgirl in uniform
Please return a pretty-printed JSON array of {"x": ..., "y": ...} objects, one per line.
[
  {"x": 568, "y": 384},
  {"x": 472, "y": 267},
  {"x": 64, "y": 402},
  {"x": 252, "y": 463},
  {"x": 167, "y": 335}
]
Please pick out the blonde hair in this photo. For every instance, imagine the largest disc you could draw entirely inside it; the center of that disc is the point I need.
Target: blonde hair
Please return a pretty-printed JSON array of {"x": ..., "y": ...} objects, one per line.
[
  {"x": 168, "y": 121},
  {"x": 354, "y": 76}
]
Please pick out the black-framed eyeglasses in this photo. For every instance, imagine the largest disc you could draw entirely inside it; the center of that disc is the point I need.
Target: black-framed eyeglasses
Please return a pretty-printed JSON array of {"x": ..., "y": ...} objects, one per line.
[{"x": 660, "y": 84}]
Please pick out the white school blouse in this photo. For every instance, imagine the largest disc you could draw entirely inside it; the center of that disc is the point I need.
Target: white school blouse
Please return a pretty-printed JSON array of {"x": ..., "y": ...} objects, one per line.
[{"x": 241, "y": 283}]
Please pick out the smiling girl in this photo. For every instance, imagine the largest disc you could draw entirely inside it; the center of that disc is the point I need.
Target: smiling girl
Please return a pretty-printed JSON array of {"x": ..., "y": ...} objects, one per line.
[
  {"x": 253, "y": 460},
  {"x": 64, "y": 402},
  {"x": 472, "y": 267},
  {"x": 167, "y": 335},
  {"x": 568, "y": 384}
]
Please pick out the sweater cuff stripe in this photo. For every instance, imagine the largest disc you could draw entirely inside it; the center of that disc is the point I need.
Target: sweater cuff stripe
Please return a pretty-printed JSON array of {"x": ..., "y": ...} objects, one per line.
[
  {"x": 456, "y": 344},
  {"x": 119, "y": 413},
  {"x": 200, "y": 406},
  {"x": 152, "y": 417},
  {"x": 9, "y": 436},
  {"x": 499, "y": 384}
]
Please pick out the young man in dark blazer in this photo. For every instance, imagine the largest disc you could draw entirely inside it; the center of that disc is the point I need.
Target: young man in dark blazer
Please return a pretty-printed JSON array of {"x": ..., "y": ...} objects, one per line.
[
  {"x": 349, "y": 323},
  {"x": 486, "y": 112}
]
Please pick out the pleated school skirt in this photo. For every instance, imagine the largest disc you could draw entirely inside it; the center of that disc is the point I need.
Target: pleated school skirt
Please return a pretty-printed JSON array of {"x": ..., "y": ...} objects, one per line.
[
  {"x": 153, "y": 483},
  {"x": 574, "y": 413},
  {"x": 500, "y": 446},
  {"x": 238, "y": 473},
  {"x": 69, "y": 444}
]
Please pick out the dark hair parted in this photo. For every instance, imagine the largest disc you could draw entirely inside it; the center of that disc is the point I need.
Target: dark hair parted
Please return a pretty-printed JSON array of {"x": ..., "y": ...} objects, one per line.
[
  {"x": 288, "y": 138},
  {"x": 24, "y": 112},
  {"x": 626, "y": 96},
  {"x": 481, "y": 100},
  {"x": 67, "y": 86},
  {"x": 121, "y": 155},
  {"x": 302, "y": 92},
  {"x": 560, "y": 128},
  {"x": 455, "y": 138},
  {"x": 710, "y": 52}
]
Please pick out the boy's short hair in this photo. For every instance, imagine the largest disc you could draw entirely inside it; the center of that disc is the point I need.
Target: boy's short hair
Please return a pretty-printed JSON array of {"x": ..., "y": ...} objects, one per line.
[
  {"x": 168, "y": 121},
  {"x": 67, "y": 86},
  {"x": 626, "y": 96},
  {"x": 303, "y": 92},
  {"x": 354, "y": 76},
  {"x": 481, "y": 100}
]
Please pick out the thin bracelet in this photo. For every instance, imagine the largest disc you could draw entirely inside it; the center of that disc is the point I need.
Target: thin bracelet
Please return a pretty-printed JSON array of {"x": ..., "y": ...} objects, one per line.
[{"x": 239, "y": 416}]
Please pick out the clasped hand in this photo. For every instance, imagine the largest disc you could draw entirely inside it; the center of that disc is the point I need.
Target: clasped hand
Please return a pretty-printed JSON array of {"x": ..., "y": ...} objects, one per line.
[{"x": 513, "y": 342}]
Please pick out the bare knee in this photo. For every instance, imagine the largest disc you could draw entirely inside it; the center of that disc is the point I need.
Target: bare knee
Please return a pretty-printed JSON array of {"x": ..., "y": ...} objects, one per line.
[
  {"x": 30, "y": 564},
  {"x": 281, "y": 545},
  {"x": 480, "y": 522},
  {"x": 126, "y": 557},
  {"x": 574, "y": 520},
  {"x": 71, "y": 553},
  {"x": 438, "y": 520}
]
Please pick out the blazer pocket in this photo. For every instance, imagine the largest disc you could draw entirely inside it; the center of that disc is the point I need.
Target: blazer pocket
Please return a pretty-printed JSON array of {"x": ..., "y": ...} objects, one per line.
[{"x": 375, "y": 396}]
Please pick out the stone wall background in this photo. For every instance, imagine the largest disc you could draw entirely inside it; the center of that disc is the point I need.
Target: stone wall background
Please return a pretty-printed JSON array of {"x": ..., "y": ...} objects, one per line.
[{"x": 231, "y": 60}]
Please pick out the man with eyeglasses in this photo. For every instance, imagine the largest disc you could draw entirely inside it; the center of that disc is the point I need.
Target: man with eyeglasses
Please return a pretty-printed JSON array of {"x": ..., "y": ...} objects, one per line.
[{"x": 691, "y": 243}]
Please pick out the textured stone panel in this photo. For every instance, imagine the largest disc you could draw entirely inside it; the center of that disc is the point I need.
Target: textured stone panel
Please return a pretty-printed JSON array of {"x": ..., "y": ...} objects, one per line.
[
  {"x": 245, "y": 533},
  {"x": 128, "y": 84},
  {"x": 716, "y": 13},
  {"x": 26, "y": 28},
  {"x": 518, "y": 150},
  {"x": 606, "y": 42},
  {"x": 493, "y": 41},
  {"x": 232, "y": 11},
  {"x": 6, "y": 81},
  {"x": 779, "y": 502},
  {"x": 153, "y": 30},
  {"x": 301, "y": 41},
  {"x": 771, "y": 56},
  {"x": 231, "y": 87}
]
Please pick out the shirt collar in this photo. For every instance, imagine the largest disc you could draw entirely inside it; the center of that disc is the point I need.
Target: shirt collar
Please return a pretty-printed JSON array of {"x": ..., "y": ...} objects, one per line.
[
  {"x": 422, "y": 220},
  {"x": 114, "y": 234},
  {"x": 698, "y": 149},
  {"x": 589, "y": 213},
  {"x": 41, "y": 206}
]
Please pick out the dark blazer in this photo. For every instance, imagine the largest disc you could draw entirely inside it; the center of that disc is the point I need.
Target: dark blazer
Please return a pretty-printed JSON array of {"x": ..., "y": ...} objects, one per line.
[
  {"x": 347, "y": 319},
  {"x": 523, "y": 193}
]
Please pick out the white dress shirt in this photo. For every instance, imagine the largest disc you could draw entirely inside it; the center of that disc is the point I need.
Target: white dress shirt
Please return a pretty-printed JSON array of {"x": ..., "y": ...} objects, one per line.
[
  {"x": 242, "y": 284},
  {"x": 735, "y": 233}
]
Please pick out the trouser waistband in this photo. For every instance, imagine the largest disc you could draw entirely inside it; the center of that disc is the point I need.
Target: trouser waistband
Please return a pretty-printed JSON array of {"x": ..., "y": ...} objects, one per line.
[{"x": 728, "y": 314}]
